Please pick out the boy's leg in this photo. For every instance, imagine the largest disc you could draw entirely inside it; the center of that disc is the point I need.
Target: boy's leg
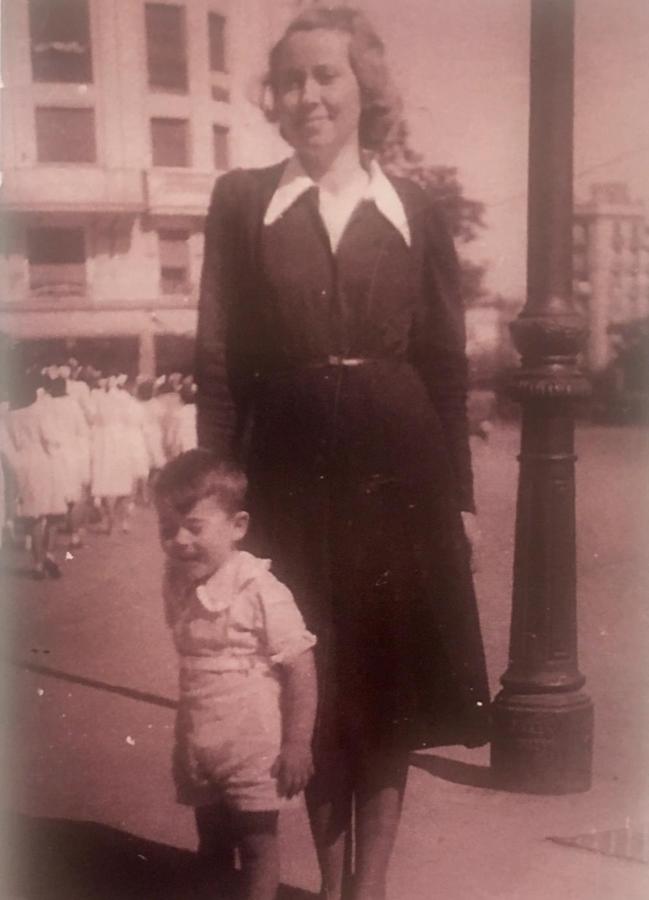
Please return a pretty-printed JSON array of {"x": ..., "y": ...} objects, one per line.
[
  {"x": 329, "y": 804},
  {"x": 216, "y": 848},
  {"x": 256, "y": 835},
  {"x": 380, "y": 786}
]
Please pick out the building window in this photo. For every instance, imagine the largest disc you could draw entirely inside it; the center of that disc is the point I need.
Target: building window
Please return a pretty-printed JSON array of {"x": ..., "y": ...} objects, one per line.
[
  {"x": 220, "y": 142},
  {"x": 57, "y": 260},
  {"x": 174, "y": 261},
  {"x": 60, "y": 41},
  {"x": 220, "y": 94},
  {"x": 580, "y": 265},
  {"x": 170, "y": 142},
  {"x": 166, "y": 47},
  {"x": 216, "y": 33},
  {"x": 617, "y": 238},
  {"x": 65, "y": 134},
  {"x": 578, "y": 234}
]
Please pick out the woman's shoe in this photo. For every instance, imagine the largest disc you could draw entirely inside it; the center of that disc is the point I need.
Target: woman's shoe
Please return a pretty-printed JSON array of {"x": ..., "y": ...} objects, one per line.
[{"x": 52, "y": 568}]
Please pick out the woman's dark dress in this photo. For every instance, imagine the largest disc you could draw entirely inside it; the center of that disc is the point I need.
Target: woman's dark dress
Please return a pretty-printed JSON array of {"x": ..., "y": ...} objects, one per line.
[{"x": 357, "y": 473}]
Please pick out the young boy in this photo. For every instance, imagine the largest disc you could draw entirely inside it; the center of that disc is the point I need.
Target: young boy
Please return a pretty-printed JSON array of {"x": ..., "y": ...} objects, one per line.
[{"x": 247, "y": 678}]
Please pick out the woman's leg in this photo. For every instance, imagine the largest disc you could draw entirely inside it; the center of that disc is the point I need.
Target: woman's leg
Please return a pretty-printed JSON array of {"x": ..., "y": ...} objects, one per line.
[
  {"x": 49, "y": 546},
  {"x": 108, "y": 507},
  {"x": 258, "y": 846},
  {"x": 380, "y": 786},
  {"x": 329, "y": 803},
  {"x": 73, "y": 520},
  {"x": 123, "y": 513}
]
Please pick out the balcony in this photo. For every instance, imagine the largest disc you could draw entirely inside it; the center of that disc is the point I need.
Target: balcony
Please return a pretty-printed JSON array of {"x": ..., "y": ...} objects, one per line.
[
  {"x": 56, "y": 188},
  {"x": 178, "y": 192}
]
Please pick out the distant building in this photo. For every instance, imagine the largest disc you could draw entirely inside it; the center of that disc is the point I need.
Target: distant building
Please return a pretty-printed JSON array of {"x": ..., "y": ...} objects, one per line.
[
  {"x": 117, "y": 116},
  {"x": 610, "y": 265}
]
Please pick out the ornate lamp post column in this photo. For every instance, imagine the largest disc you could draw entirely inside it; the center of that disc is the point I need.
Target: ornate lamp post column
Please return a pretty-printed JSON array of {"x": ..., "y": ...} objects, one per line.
[{"x": 543, "y": 723}]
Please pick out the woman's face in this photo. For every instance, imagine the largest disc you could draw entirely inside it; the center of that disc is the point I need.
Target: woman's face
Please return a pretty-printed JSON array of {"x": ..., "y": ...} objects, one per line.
[{"x": 316, "y": 94}]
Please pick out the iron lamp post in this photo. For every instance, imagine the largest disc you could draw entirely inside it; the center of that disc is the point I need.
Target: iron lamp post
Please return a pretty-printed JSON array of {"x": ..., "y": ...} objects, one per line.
[{"x": 542, "y": 720}]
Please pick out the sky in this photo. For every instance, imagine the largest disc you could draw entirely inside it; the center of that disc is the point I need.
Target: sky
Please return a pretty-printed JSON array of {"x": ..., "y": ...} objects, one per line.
[{"x": 462, "y": 66}]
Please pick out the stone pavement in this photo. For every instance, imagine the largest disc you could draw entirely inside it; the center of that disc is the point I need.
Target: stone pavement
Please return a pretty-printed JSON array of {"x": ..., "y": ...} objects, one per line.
[{"x": 89, "y": 698}]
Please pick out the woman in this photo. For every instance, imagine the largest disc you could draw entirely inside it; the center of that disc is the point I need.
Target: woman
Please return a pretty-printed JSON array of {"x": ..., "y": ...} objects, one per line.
[
  {"x": 331, "y": 357},
  {"x": 29, "y": 442},
  {"x": 113, "y": 475},
  {"x": 69, "y": 450}
]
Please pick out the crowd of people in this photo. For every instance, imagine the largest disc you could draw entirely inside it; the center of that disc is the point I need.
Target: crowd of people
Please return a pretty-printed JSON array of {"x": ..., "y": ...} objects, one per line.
[{"x": 81, "y": 447}]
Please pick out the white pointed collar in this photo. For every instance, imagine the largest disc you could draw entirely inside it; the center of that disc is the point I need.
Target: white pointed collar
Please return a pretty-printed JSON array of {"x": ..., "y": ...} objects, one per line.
[{"x": 379, "y": 189}]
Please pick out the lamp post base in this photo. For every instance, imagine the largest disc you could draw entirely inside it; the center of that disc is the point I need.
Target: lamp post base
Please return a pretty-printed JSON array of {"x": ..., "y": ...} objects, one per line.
[{"x": 542, "y": 743}]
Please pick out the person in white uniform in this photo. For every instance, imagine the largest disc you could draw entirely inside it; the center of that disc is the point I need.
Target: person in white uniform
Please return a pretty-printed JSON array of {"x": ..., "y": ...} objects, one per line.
[
  {"x": 69, "y": 451},
  {"x": 29, "y": 440},
  {"x": 112, "y": 464}
]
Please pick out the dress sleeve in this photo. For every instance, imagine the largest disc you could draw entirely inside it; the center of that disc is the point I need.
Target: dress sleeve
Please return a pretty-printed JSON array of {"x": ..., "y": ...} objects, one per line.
[
  {"x": 285, "y": 634},
  {"x": 438, "y": 348},
  {"x": 218, "y": 290}
]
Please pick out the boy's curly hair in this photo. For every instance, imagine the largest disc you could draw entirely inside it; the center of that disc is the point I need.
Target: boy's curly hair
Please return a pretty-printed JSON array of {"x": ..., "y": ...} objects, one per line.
[{"x": 197, "y": 474}]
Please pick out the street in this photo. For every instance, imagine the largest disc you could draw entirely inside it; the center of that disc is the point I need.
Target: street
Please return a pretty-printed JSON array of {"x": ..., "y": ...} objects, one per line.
[{"x": 90, "y": 676}]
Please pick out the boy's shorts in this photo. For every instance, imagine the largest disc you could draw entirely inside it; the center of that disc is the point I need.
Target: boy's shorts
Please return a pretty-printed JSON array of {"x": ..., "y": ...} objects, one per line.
[{"x": 228, "y": 736}]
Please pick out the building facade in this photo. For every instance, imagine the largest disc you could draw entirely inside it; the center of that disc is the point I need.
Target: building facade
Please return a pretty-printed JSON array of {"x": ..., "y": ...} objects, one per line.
[
  {"x": 117, "y": 116},
  {"x": 610, "y": 265}
]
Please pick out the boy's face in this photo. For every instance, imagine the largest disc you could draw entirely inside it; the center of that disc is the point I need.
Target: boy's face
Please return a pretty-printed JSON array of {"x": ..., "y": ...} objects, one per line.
[{"x": 201, "y": 540}]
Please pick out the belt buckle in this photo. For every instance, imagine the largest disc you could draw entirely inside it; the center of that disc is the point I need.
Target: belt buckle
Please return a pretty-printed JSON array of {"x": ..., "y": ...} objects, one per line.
[{"x": 333, "y": 360}]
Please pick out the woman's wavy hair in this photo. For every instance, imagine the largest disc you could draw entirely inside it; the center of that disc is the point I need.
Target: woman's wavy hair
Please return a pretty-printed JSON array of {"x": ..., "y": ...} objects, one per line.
[{"x": 380, "y": 102}]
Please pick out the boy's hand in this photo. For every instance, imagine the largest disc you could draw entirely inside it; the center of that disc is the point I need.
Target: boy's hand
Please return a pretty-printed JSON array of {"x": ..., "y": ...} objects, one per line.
[{"x": 293, "y": 768}]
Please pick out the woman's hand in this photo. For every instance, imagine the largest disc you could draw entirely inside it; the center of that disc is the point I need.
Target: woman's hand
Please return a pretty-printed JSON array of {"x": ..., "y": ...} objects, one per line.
[
  {"x": 473, "y": 535},
  {"x": 293, "y": 768}
]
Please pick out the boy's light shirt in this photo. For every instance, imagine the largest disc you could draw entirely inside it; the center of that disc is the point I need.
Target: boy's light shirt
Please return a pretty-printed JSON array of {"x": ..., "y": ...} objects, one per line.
[
  {"x": 252, "y": 621},
  {"x": 217, "y": 593},
  {"x": 374, "y": 185}
]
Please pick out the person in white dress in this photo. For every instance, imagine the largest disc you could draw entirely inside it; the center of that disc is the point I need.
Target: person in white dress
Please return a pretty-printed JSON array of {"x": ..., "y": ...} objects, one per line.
[
  {"x": 136, "y": 433},
  {"x": 153, "y": 414},
  {"x": 70, "y": 435},
  {"x": 28, "y": 442},
  {"x": 112, "y": 465},
  {"x": 182, "y": 422},
  {"x": 79, "y": 390},
  {"x": 169, "y": 400}
]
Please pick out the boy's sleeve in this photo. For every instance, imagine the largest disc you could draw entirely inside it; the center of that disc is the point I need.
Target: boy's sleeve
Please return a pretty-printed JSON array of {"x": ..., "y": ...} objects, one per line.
[{"x": 285, "y": 634}]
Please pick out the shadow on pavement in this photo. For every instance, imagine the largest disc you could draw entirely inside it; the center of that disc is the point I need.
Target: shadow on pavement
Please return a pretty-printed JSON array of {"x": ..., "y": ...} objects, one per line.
[
  {"x": 16, "y": 571},
  {"x": 61, "y": 859},
  {"x": 453, "y": 770}
]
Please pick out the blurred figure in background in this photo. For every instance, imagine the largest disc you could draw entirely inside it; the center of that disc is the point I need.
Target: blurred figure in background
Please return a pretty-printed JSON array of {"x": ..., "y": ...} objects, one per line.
[
  {"x": 182, "y": 421},
  {"x": 136, "y": 435},
  {"x": 112, "y": 467},
  {"x": 29, "y": 440},
  {"x": 69, "y": 435},
  {"x": 152, "y": 424}
]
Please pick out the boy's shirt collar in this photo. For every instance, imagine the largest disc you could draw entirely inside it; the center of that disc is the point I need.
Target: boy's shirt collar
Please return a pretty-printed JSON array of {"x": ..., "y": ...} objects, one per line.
[
  {"x": 379, "y": 189},
  {"x": 217, "y": 593}
]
